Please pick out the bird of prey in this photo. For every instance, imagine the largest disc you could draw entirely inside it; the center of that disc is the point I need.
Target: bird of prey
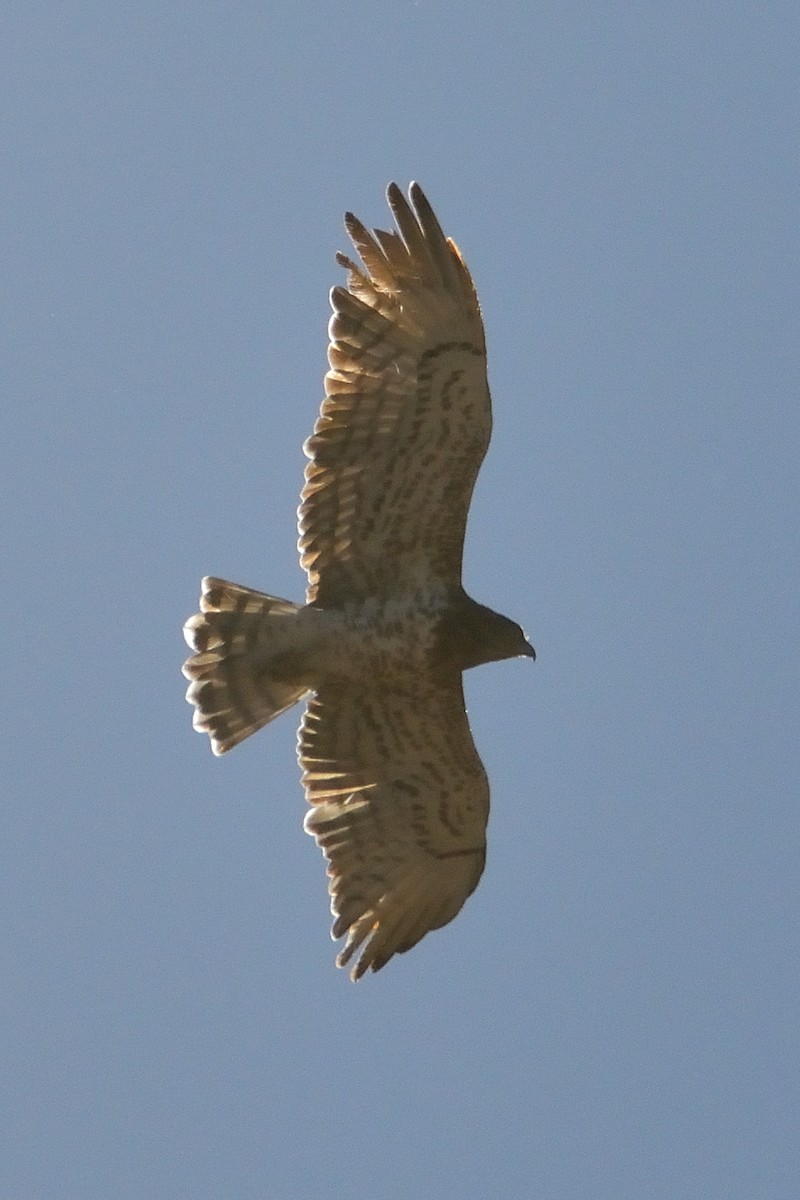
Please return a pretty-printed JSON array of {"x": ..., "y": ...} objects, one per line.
[{"x": 399, "y": 797}]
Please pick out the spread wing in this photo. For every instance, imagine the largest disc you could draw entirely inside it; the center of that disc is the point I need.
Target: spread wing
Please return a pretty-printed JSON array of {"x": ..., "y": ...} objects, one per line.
[
  {"x": 406, "y": 417},
  {"x": 400, "y": 806}
]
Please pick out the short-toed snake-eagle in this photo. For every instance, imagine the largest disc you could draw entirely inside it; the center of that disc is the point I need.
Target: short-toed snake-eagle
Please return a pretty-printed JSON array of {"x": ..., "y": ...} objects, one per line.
[{"x": 399, "y": 797}]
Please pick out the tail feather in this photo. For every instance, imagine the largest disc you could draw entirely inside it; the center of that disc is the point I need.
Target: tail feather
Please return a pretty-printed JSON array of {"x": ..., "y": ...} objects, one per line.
[{"x": 242, "y": 673}]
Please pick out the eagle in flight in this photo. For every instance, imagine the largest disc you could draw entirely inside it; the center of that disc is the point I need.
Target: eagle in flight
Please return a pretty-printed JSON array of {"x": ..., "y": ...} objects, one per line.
[{"x": 399, "y": 796}]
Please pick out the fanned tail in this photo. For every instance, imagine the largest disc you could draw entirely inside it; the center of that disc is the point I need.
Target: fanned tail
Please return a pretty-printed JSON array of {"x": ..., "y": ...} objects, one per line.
[{"x": 245, "y": 666}]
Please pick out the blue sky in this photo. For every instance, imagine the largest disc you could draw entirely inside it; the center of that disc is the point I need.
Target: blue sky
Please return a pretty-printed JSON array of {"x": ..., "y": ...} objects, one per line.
[{"x": 614, "y": 1013}]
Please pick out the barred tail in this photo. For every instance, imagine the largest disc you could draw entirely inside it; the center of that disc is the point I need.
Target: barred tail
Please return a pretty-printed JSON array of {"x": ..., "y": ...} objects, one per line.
[{"x": 244, "y": 670}]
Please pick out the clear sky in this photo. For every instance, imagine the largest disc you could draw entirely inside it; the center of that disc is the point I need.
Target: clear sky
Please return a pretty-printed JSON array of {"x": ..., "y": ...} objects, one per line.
[{"x": 613, "y": 1016}]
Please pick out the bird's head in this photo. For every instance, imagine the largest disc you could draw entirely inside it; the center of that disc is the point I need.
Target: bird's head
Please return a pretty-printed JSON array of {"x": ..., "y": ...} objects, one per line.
[
  {"x": 477, "y": 634},
  {"x": 509, "y": 640}
]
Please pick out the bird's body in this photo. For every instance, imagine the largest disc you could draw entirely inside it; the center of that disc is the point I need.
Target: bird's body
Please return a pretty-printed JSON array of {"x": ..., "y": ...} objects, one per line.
[{"x": 399, "y": 795}]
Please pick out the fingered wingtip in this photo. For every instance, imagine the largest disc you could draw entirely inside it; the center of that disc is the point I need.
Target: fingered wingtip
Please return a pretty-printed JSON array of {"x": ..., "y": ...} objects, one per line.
[{"x": 395, "y": 196}]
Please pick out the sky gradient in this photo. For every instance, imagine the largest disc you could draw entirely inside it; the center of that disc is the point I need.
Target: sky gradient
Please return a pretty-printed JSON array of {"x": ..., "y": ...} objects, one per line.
[{"x": 614, "y": 1013}]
